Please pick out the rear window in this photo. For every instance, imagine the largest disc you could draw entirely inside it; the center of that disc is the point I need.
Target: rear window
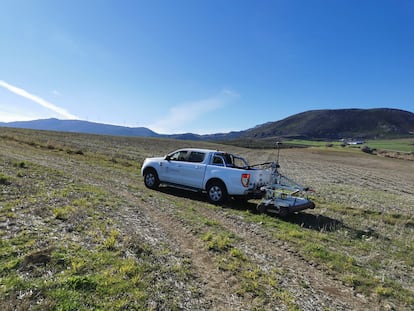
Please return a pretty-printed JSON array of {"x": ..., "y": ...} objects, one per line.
[
  {"x": 196, "y": 156},
  {"x": 217, "y": 160}
]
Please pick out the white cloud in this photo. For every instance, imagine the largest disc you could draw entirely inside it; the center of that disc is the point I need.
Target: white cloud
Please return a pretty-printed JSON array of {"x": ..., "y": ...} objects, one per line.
[
  {"x": 181, "y": 115},
  {"x": 38, "y": 100}
]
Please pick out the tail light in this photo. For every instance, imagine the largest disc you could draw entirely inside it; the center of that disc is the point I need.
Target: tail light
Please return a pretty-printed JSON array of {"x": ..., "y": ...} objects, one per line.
[{"x": 245, "y": 178}]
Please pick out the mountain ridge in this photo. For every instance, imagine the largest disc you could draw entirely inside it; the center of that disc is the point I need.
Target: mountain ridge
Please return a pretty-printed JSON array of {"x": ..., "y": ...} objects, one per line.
[
  {"x": 81, "y": 126},
  {"x": 338, "y": 123},
  {"x": 313, "y": 124}
]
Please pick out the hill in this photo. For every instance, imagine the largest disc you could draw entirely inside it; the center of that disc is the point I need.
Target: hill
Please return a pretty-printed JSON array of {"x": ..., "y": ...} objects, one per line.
[
  {"x": 80, "y": 126},
  {"x": 336, "y": 124},
  {"x": 315, "y": 124}
]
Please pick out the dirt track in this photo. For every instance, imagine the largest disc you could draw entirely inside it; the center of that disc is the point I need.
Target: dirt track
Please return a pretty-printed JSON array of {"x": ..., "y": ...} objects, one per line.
[{"x": 155, "y": 216}]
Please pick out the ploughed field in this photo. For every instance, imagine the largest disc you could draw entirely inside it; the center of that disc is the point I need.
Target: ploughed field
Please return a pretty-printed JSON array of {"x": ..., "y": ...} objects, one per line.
[{"x": 79, "y": 231}]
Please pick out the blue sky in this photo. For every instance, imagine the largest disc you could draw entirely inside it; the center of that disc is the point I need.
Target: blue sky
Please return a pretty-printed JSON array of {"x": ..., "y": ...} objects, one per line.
[{"x": 202, "y": 66}]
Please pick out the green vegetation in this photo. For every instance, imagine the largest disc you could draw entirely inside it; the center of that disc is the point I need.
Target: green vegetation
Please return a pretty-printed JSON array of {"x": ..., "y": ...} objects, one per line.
[
  {"x": 400, "y": 145},
  {"x": 311, "y": 143},
  {"x": 4, "y": 179}
]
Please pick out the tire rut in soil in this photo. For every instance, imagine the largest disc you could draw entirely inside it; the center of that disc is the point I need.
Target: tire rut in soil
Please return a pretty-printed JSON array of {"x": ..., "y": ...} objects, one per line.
[
  {"x": 322, "y": 290},
  {"x": 216, "y": 291}
]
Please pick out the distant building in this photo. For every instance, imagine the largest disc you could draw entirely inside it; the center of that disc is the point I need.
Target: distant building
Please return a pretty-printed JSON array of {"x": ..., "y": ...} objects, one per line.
[{"x": 355, "y": 142}]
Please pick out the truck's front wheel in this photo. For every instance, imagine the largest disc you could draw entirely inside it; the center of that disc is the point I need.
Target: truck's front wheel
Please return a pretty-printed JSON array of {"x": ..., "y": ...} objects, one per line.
[
  {"x": 151, "y": 178},
  {"x": 216, "y": 192}
]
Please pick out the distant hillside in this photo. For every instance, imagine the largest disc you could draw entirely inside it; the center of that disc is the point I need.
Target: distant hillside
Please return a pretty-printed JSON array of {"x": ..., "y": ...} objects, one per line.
[
  {"x": 335, "y": 124},
  {"x": 79, "y": 126},
  {"x": 315, "y": 124},
  {"x": 212, "y": 137}
]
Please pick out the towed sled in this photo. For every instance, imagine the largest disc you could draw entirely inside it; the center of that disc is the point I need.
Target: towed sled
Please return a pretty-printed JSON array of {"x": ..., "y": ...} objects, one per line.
[{"x": 281, "y": 195}]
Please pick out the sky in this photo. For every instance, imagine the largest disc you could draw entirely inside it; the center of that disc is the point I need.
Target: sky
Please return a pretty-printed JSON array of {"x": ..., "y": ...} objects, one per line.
[{"x": 202, "y": 66}]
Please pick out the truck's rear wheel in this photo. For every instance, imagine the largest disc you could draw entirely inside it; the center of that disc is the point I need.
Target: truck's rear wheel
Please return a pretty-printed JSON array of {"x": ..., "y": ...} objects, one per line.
[
  {"x": 217, "y": 192},
  {"x": 151, "y": 179}
]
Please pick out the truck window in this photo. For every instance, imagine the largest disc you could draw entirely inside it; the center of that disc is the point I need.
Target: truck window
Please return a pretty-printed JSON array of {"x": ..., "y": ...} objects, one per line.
[
  {"x": 239, "y": 162},
  {"x": 179, "y": 156},
  {"x": 224, "y": 159},
  {"x": 218, "y": 160},
  {"x": 196, "y": 156},
  {"x": 229, "y": 160}
]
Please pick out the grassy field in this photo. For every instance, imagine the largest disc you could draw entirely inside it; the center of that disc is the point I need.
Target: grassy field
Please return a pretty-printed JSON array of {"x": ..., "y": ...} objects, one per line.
[
  {"x": 400, "y": 145},
  {"x": 79, "y": 231}
]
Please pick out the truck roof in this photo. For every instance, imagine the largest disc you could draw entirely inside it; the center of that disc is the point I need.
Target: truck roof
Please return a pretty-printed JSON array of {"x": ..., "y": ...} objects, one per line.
[{"x": 200, "y": 150}]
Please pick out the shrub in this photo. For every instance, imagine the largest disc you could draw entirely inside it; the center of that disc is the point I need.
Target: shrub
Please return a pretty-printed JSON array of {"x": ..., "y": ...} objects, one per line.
[
  {"x": 4, "y": 179},
  {"x": 63, "y": 213},
  {"x": 110, "y": 242},
  {"x": 79, "y": 152},
  {"x": 367, "y": 149},
  {"x": 20, "y": 164}
]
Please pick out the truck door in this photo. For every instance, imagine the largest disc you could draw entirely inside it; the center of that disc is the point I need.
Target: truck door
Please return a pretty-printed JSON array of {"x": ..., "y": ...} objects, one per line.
[
  {"x": 192, "y": 170},
  {"x": 172, "y": 167}
]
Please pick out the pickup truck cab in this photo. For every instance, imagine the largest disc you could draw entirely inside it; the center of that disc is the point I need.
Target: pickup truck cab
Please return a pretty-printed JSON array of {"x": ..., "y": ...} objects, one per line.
[{"x": 219, "y": 174}]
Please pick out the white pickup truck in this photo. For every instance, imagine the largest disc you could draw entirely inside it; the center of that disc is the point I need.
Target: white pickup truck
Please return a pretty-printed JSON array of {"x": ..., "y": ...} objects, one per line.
[{"x": 218, "y": 173}]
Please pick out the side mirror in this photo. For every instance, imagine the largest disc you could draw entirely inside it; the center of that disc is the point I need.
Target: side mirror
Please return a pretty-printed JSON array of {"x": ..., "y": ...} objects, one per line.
[{"x": 167, "y": 157}]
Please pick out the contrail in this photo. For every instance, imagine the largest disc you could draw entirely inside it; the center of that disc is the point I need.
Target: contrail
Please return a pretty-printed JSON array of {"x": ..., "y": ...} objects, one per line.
[{"x": 37, "y": 100}]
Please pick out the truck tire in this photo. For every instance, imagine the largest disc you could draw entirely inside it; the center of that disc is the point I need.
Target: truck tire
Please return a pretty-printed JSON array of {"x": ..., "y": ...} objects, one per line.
[
  {"x": 216, "y": 192},
  {"x": 151, "y": 180}
]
